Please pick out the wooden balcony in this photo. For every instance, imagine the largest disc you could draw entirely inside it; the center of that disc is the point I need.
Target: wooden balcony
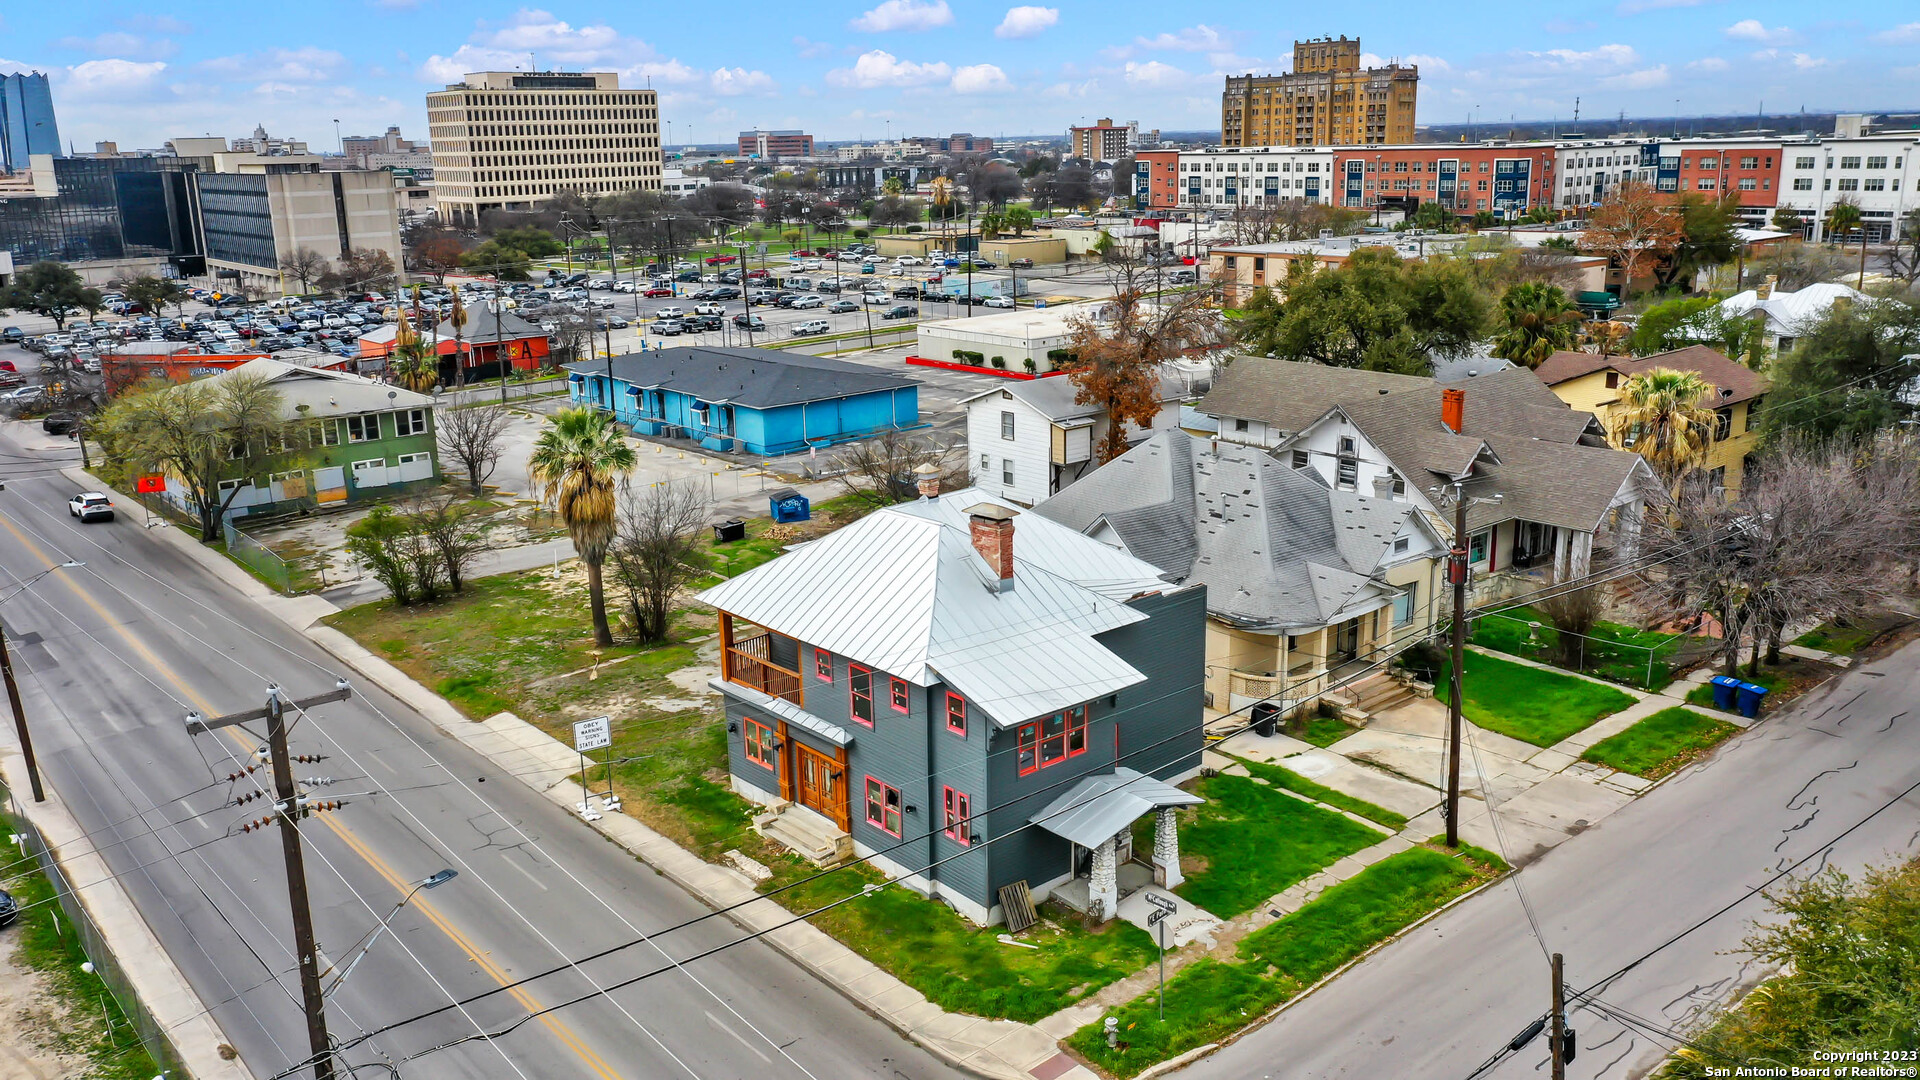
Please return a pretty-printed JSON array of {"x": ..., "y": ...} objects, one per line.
[{"x": 746, "y": 659}]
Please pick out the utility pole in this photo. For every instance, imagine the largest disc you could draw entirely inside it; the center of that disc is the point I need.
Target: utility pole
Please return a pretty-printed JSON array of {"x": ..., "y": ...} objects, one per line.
[
  {"x": 1558, "y": 1033},
  {"x": 289, "y": 806},
  {"x": 20, "y": 719},
  {"x": 1457, "y": 570}
]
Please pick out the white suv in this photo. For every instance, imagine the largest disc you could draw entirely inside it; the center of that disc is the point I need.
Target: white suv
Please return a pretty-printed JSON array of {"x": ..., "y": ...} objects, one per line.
[
  {"x": 812, "y": 326},
  {"x": 670, "y": 313}
]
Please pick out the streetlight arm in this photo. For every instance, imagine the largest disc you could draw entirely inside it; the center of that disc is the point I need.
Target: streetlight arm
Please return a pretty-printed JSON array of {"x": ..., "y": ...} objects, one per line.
[{"x": 361, "y": 948}]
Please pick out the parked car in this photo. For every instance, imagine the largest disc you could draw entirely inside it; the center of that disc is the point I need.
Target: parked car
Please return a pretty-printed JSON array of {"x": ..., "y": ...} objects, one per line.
[
  {"x": 26, "y": 395},
  {"x": 908, "y": 260},
  {"x": 1023, "y": 264},
  {"x": 657, "y": 290},
  {"x": 666, "y": 327},
  {"x": 811, "y": 326},
  {"x": 749, "y": 322},
  {"x": 13, "y": 335},
  {"x": 720, "y": 260},
  {"x": 709, "y": 309},
  {"x": 615, "y": 322},
  {"x": 59, "y": 423},
  {"x": 907, "y": 292},
  {"x": 702, "y": 322},
  {"x": 804, "y": 303},
  {"x": 841, "y": 307},
  {"x": 1183, "y": 277},
  {"x": 88, "y": 505},
  {"x": 669, "y": 313},
  {"x": 898, "y": 311},
  {"x": 998, "y": 301},
  {"x": 9, "y": 908}
]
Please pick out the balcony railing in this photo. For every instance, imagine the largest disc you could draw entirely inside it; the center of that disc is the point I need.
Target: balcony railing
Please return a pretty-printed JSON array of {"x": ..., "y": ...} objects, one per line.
[{"x": 748, "y": 664}]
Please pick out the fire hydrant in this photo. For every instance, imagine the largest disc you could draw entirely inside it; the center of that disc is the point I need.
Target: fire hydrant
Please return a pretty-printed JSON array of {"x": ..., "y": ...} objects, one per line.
[{"x": 1113, "y": 1031}]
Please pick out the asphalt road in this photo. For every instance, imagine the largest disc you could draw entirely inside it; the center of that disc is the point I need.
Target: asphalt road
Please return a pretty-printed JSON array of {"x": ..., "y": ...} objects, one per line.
[
  {"x": 113, "y": 655},
  {"x": 1438, "y": 1003}
]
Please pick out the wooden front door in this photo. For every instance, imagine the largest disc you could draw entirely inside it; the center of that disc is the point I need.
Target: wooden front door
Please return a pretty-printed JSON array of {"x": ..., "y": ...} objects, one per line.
[{"x": 820, "y": 784}]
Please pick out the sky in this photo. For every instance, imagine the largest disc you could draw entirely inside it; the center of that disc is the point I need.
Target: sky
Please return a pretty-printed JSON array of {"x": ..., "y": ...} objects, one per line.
[{"x": 870, "y": 68}]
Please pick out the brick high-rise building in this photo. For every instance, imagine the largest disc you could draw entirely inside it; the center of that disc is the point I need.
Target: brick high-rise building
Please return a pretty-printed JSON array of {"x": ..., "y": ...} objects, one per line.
[
  {"x": 771, "y": 145},
  {"x": 506, "y": 139},
  {"x": 1328, "y": 99}
]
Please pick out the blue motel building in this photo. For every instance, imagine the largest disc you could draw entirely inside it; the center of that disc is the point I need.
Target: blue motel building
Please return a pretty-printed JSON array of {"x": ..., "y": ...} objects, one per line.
[{"x": 754, "y": 401}]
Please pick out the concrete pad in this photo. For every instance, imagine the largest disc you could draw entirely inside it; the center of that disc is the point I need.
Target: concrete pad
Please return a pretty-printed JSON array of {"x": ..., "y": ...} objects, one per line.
[
  {"x": 1562, "y": 803},
  {"x": 1629, "y": 781},
  {"x": 1314, "y": 763},
  {"x": 895, "y": 1001},
  {"x": 1022, "y": 1046},
  {"x": 1186, "y": 924},
  {"x": 1069, "y": 1020},
  {"x": 947, "y": 1027},
  {"x": 1263, "y": 748},
  {"x": 1551, "y": 760},
  {"x": 1403, "y": 797}
]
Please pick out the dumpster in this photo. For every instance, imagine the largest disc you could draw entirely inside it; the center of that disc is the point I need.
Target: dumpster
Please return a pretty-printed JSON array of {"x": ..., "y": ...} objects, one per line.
[
  {"x": 1724, "y": 689},
  {"x": 789, "y": 505},
  {"x": 726, "y": 532},
  {"x": 1265, "y": 716},
  {"x": 1750, "y": 696}
]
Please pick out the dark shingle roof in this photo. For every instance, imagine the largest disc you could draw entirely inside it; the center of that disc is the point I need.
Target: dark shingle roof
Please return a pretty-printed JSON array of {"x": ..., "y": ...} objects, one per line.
[
  {"x": 480, "y": 326},
  {"x": 750, "y": 378},
  {"x": 1735, "y": 382},
  {"x": 1290, "y": 394}
]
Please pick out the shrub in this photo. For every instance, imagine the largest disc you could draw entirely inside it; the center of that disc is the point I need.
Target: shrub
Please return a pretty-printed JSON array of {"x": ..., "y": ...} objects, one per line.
[
  {"x": 1000, "y": 362},
  {"x": 1059, "y": 357},
  {"x": 1030, "y": 365}
]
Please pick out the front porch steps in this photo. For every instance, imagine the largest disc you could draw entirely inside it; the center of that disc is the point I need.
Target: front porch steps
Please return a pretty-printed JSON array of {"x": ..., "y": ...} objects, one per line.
[
  {"x": 805, "y": 832},
  {"x": 1370, "y": 697}
]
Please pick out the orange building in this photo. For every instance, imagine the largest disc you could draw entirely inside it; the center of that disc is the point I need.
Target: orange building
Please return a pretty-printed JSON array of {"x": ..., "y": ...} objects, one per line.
[
  {"x": 1506, "y": 180},
  {"x": 1156, "y": 179}
]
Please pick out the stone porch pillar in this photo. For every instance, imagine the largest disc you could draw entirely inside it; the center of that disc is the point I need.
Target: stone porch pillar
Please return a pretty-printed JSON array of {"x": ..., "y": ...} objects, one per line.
[
  {"x": 1166, "y": 849},
  {"x": 1103, "y": 883}
]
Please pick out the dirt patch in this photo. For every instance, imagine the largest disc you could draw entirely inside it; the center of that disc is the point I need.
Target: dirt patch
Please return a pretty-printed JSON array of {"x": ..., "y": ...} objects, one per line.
[{"x": 30, "y": 1018}]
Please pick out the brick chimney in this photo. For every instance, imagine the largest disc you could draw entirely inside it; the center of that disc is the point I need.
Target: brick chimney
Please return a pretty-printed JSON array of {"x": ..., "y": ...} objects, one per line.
[
  {"x": 991, "y": 527},
  {"x": 1765, "y": 289},
  {"x": 929, "y": 482},
  {"x": 1453, "y": 409}
]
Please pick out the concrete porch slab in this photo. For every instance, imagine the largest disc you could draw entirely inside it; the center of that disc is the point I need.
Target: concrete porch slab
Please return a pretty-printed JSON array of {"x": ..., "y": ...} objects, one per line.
[
  {"x": 1264, "y": 748},
  {"x": 1186, "y": 924}
]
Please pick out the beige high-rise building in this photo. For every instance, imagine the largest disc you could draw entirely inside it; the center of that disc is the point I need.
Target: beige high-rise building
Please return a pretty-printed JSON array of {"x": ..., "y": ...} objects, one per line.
[
  {"x": 1328, "y": 99},
  {"x": 509, "y": 139}
]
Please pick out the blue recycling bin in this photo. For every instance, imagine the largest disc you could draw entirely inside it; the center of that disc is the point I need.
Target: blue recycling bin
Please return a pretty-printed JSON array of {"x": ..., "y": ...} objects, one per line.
[
  {"x": 1750, "y": 696},
  {"x": 1725, "y": 687},
  {"x": 787, "y": 505}
]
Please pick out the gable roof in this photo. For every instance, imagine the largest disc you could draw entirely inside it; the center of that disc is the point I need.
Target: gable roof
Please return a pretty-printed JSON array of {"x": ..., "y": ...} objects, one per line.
[
  {"x": 1052, "y": 396},
  {"x": 1791, "y": 313},
  {"x": 750, "y": 378},
  {"x": 903, "y": 591},
  {"x": 1290, "y": 394},
  {"x": 480, "y": 326},
  {"x": 1275, "y": 547},
  {"x": 1735, "y": 382},
  {"x": 326, "y": 392}
]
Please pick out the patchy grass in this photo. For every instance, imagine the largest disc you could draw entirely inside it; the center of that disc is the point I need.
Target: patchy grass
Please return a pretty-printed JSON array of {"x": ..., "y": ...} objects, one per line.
[
  {"x": 1847, "y": 638},
  {"x": 1702, "y": 695},
  {"x": 1526, "y": 703},
  {"x": 1249, "y": 841},
  {"x": 1661, "y": 743},
  {"x": 1613, "y": 651},
  {"x": 766, "y": 541},
  {"x": 95, "y": 1026},
  {"x": 1279, "y": 776},
  {"x": 960, "y": 967},
  {"x": 1323, "y": 731},
  {"x": 1212, "y": 998},
  {"x": 1784, "y": 681}
]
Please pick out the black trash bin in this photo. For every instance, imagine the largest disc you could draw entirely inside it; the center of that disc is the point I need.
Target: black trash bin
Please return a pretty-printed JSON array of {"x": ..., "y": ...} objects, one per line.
[
  {"x": 726, "y": 532},
  {"x": 1266, "y": 717},
  {"x": 1750, "y": 695},
  {"x": 1724, "y": 689}
]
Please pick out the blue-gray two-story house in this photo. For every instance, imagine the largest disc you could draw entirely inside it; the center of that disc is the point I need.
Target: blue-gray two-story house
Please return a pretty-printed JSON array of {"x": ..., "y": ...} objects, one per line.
[{"x": 964, "y": 708}]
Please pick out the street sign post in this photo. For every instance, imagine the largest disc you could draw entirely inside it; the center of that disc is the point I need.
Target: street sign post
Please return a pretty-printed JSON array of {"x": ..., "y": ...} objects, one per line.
[
  {"x": 1163, "y": 907},
  {"x": 593, "y": 733}
]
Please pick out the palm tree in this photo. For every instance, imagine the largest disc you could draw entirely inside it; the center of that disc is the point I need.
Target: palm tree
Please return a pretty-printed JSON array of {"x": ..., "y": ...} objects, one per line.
[
  {"x": 1540, "y": 321},
  {"x": 1661, "y": 417},
  {"x": 458, "y": 317},
  {"x": 414, "y": 365},
  {"x": 574, "y": 465},
  {"x": 1844, "y": 218},
  {"x": 992, "y": 224},
  {"x": 1019, "y": 219}
]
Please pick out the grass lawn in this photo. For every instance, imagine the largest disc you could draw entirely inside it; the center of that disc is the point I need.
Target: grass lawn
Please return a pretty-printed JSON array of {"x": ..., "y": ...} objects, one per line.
[
  {"x": 1849, "y": 637},
  {"x": 83, "y": 1017},
  {"x": 1701, "y": 695},
  {"x": 765, "y": 540},
  {"x": 1529, "y": 704},
  {"x": 1784, "y": 681},
  {"x": 1249, "y": 841},
  {"x": 1614, "y": 651},
  {"x": 1661, "y": 743},
  {"x": 1280, "y": 776},
  {"x": 1212, "y": 998},
  {"x": 1324, "y": 731},
  {"x": 960, "y": 967}
]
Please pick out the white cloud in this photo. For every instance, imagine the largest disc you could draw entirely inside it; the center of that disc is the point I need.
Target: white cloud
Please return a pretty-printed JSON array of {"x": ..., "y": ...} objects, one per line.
[
  {"x": 112, "y": 79},
  {"x": 1026, "y": 21},
  {"x": 1755, "y": 30},
  {"x": 1200, "y": 38},
  {"x": 1372, "y": 60},
  {"x": 904, "y": 15},
  {"x": 1153, "y": 73},
  {"x": 1605, "y": 54},
  {"x": 980, "y": 79},
  {"x": 880, "y": 68},
  {"x": 1708, "y": 63},
  {"x": 305, "y": 64},
  {"x": 807, "y": 50},
  {"x": 665, "y": 72},
  {"x": 732, "y": 82},
  {"x": 121, "y": 44},
  {"x": 1644, "y": 79},
  {"x": 1907, "y": 34},
  {"x": 1429, "y": 63},
  {"x": 1803, "y": 62}
]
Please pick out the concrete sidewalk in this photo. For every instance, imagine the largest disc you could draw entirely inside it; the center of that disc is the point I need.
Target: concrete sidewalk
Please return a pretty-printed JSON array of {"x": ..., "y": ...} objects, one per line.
[{"x": 997, "y": 1049}]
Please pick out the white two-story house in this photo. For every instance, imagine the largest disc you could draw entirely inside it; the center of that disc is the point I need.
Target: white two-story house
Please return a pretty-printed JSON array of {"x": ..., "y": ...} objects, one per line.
[{"x": 1028, "y": 440}]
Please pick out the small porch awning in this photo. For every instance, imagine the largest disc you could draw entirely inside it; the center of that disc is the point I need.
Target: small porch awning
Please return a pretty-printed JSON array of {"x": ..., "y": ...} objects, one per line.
[
  {"x": 785, "y": 710},
  {"x": 1094, "y": 810}
]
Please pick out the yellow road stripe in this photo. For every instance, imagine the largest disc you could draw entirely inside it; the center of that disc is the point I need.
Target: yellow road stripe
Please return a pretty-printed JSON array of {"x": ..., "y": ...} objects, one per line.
[{"x": 379, "y": 866}]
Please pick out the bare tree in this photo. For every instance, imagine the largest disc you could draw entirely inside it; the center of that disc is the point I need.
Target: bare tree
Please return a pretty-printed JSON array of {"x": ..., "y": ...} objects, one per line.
[
  {"x": 1796, "y": 264},
  {"x": 1573, "y": 614},
  {"x": 472, "y": 439},
  {"x": 653, "y": 552},
  {"x": 453, "y": 533},
  {"x": 306, "y": 266},
  {"x": 879, "y": 471}
]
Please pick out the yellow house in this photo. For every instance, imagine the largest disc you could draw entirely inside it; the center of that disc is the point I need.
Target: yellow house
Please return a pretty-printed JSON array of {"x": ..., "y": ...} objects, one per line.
[{"x": 1591, "y": 382}]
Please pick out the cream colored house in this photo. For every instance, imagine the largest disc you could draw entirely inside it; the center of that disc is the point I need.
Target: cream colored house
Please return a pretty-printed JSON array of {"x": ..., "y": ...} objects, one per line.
[
  {"x": 1306, "y": 584},
  {"x": 1592, "y": 383}
]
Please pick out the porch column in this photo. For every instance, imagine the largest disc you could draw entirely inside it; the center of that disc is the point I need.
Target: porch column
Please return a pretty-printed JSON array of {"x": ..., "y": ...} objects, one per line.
[
  {"x": 1103, "y": 883},
  {"x": 1631, "y": 517},
  {"x": 1581, "y": 559},
  {"x": 1166, "y": 849},
  {"x": 1562, "y": 552}
]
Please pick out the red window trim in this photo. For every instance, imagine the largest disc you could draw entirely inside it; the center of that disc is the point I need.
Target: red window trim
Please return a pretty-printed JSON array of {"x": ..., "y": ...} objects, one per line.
[
  {"x": 952, "y": 700},
  {"x": 1032, "y": 740},
  {"x": 823, "y": 665},
  {"x": 959, "y": 817},
  {"x": 853, "y": 693},
  {"x": 867, "y": 805},
  {"x": 755, "y": 736},
  {"x": 897, "y": 694}
]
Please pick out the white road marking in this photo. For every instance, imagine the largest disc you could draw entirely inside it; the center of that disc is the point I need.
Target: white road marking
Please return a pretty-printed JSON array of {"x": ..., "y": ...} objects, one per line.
[
  {"x": 716, "y": 1022},
  {"x": 509, "y": 860}
]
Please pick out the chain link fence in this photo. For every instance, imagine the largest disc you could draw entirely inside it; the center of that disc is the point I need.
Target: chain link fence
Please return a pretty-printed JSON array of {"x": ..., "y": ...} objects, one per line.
[{"x": 73, "y": 918}]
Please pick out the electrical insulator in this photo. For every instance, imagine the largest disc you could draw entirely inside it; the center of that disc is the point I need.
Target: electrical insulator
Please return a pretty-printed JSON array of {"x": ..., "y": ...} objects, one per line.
[
  {"x": 319, "y": 781},
  {"x": 242, "y": 800},
  {"x": 309, "y": 759},
  {"x": 256, "y": 825}
]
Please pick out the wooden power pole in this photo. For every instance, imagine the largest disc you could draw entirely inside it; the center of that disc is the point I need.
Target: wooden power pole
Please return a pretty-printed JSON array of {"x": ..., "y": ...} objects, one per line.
[
  {"x": 289, "y": 806},
  {"x": 1457, "y": 570},
  {"x": 20, "y": 719},
  {"x": 1561, "y": 1035}
]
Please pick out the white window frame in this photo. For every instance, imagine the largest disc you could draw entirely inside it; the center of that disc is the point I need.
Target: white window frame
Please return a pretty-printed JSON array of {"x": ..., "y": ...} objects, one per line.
[
  {"x": 1007, "y": 425},
  {"x": 408, "y": 459},
  {"x": 1006, "y": 472},
  {"x": 409, "y": 416},
  {"x": 365, "y": 420}
]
